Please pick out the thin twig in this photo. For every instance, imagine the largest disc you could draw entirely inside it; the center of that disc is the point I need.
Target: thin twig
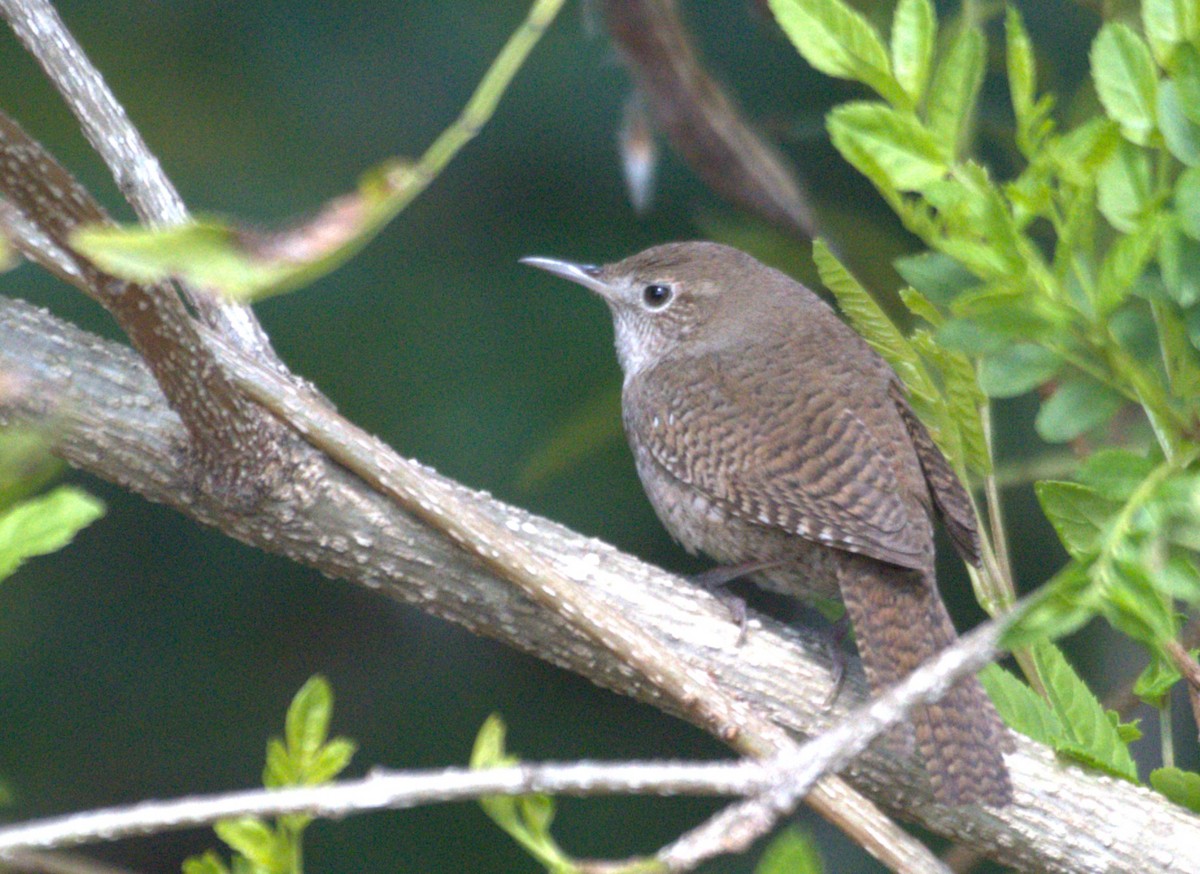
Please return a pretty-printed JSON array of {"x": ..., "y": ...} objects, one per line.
[
  {"x": 776, "y": 785},
  {"x": 736, "y": 826},
  {"x": 110, "y": 132},
  {"x": 56, "y": 863}
]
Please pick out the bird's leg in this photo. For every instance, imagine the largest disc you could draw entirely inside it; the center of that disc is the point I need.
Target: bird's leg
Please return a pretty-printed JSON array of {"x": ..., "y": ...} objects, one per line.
[
  {"x": 837, "y": 659},
  {"x": 715, "y": 580}
]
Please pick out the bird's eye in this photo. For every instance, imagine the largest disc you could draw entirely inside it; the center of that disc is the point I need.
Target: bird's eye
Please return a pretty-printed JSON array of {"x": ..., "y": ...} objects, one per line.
[{"x": 657, "y": 296}]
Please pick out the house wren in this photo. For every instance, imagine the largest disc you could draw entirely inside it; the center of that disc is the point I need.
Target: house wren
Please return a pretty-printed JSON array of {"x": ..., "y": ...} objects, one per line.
[{"x": 768, "y": 435}]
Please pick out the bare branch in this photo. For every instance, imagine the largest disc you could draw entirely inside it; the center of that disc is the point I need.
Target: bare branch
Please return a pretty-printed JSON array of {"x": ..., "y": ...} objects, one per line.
[
  {"x": 736, "y": 827},
  {"x": 39, "y": 248}
]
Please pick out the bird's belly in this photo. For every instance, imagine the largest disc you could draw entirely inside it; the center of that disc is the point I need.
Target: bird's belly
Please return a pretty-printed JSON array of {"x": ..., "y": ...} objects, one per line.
[{"x": 799, "y": 568}]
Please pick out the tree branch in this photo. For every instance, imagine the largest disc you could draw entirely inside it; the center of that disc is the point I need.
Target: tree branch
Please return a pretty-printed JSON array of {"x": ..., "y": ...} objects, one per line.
[
  {"x": 113, "y": 421},
  {"x": 136, "y": 170},
  {"x": 701, "y": 119},
  {"x": 234, "y": 447}
]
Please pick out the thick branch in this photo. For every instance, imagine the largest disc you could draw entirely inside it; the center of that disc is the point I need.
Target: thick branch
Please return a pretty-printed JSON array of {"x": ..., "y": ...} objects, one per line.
[
  {"x": 115, "y": 423},
  {"x": 234, "y": 446}
]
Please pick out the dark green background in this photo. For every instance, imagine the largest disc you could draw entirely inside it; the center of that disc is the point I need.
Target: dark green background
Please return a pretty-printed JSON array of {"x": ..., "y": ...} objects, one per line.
[{"x": 153, "y": 658}]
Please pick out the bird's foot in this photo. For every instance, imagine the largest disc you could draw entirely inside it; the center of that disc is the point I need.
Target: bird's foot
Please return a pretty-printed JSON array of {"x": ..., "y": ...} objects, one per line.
[{"x": 715, "y": 580}]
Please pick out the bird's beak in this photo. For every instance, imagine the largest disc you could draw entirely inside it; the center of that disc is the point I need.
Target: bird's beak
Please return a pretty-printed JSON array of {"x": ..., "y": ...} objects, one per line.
[{"x": 587, "y": 275}]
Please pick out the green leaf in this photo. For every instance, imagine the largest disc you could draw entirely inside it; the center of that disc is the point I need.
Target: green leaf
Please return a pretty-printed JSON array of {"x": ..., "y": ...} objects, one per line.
[
  {"x": 964, "y": 399},
  {"x": 27, "y": 466},
  {"x": 526, "y": 819},
  {"x": 1126, "y": 80},
  {"x": 1155, "y": 683},
  {"x": 1187, "y": 202},
  {"x": 890, "y": 148},
  {"x": 44, "y": 524},
  {"x": 1180, "y": 578},
  {"x": 331, "y": 760},
  {"x": 1114, "y": 473},
  {"x": 1089, "y": 735},
  {"x": 1124, "y": 186},
  {"x": 872, "y": 323},
  {"x": 1182, "y": 787},
  {"x": 1126, "y": 731},
  {"x": 920, "y": 306},
  {"x": 950, "y": 105},
  {"x": 1077, "y": 406},
  {"x": 1022, "y": 68},
  {"x": 1020, "y": 707},
  {"x": 254, "y": 839},
  {"x": 1032, "y": 114},
  {"x": 1179, "y": 258},
  {"x": 307, "y": 723},
  {"x": 1018, "y": 369},
  {"x": 972, "y": 337},
  {"x": 1062, "y": 605},
  {"x": 1132, "y": 602},
  {"x": 1078, "y": 154},
  {"x": 914, "y": 34},
  {"x": 838, "y": 41},
  {"x": 488, "y": 751},
  {"x": 1186, "y": 75},
  {"x": 1077, "y": 513},
  {"x": 279, "y": 769},
  {"x": 1168, "y": 23},
  {"x": 1180, "y": 133},
  {"x": 209, "y": 863},
  {"x": 790, "y": 852},
  {"x": 939, "y": 277},
  {"x": 246, "y": 264},
  {"x": 1125, "y": 262}
]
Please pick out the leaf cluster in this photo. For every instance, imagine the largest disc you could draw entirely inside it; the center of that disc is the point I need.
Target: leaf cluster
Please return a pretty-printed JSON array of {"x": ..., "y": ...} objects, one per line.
[
  {"x": 304, "y": 756},
  {"x": 1078, "y": 278}
]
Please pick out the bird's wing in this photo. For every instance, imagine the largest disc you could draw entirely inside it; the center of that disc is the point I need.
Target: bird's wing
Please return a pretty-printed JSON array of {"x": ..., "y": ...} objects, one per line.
[
  {"x": 949, "y": 496},
  {"x": 806, "y": 463}
]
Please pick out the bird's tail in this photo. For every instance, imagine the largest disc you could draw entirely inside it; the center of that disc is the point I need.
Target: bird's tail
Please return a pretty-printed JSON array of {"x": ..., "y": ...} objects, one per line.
[{"x": 899, "y": 622}]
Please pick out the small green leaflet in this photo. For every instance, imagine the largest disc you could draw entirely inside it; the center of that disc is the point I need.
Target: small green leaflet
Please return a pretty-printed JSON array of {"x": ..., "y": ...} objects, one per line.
[
  {"x": 1088, "y": 733},
  {"x": 44, "y": 524},
  {"x": 914, "y": 36},
  {"x": 950, "y": 105},
  {"x": 1182, "y": 787},
  {"x": 246, "y": 264},
  {"x": 790, "y": 852},
  {"x": 838, "y": 41},
  {"x": 526, "y": 818},
  {"x": 890, "y": 148},
  {"x": 1126, "y": 80}
]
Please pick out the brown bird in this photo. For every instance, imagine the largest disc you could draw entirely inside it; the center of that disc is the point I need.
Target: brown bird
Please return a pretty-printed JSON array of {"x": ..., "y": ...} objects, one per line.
[{"x": 768, "y": 435}]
